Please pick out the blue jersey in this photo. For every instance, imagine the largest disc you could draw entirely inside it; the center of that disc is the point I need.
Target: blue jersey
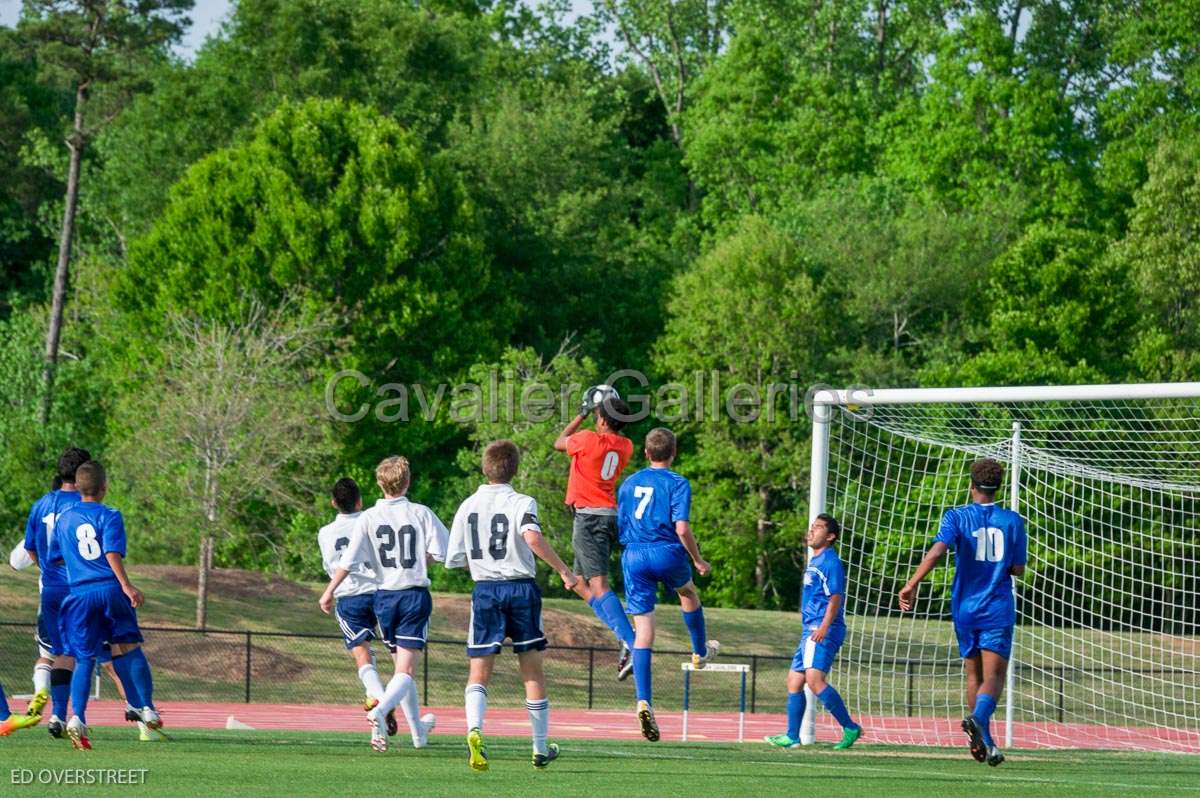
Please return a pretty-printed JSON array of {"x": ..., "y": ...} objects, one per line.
[
  {"x": 988, "y": 541},
  {"x": 824, "y": 578},
  {"x": 648, "y": 505},
  {"x": 39, "y": 534},
  {"x": 83, "y": 535}
]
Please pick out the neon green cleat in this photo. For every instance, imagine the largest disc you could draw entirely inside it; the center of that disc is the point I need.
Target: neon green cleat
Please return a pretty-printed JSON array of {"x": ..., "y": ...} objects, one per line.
[
  {"x": 849, "y": 736},
  {"x": 782, "y": 741},
  {"x": 38, "y": 703},
  {"x": 478, "y": 751},
  {"x": 17, "y": 722}
]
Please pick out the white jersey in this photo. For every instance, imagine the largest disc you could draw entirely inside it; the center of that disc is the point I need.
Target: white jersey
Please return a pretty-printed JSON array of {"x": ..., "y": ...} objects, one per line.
[
  {"x": 333, "y": 539},
  {"x": 488, "y": 534},
  {"x": 394, "y": 539}
]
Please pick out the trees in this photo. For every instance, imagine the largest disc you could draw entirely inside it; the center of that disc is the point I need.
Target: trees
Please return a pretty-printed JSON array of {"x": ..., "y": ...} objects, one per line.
[
  {"x": 227, "y": 419},
  {"x": 748, "y": 312},
  {"x": 91, "y": 46}
]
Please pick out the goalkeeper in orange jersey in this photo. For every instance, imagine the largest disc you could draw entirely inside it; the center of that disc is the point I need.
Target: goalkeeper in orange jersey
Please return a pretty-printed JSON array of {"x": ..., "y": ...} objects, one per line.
[{"x": 597, "y": 459}]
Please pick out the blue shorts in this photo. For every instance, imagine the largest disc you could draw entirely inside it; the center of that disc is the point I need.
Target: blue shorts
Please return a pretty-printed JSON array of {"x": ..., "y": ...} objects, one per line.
[
  {"x": 356, "y": 618},
  {"x": 95, "y": 614},
  {"x": 819, "y": 656},
  {"x": 404, "y": 617},
  {"x": 511, "y": 609},
  {"x": 49, "y": 639},
  {"x": 972, "y": 641},
  {"x": 645, "y": 566}
]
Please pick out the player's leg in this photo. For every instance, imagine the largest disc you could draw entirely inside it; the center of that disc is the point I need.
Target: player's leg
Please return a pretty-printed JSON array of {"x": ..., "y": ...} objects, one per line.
[
  {"x": 593, "y": 538},
  {"x": 41, "y": 685},
  {"x": 475, "y": 697},
  {"x": 357, "y": 620},
  {"x": 51, "y": 648},
  {"x": 995, "y": 649},
  {"x": 968, "y": 648},
  {"x": 524, "y": 627},
  {"x": 9, "y": 722},
  {"x": 830, "y": 697},
  {"x": 796, "y": 703},
  {"x": 675, "y": 569},
  {"x": 643, "y": 678}
]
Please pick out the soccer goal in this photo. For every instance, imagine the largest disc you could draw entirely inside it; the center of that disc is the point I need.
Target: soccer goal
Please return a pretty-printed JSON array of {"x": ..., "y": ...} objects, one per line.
[{"x": 1107, "y": 644}]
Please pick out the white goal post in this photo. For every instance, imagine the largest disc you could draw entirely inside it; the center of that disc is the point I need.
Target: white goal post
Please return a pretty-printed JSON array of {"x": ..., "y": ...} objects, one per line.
[{"x": 1107, "y": 646}]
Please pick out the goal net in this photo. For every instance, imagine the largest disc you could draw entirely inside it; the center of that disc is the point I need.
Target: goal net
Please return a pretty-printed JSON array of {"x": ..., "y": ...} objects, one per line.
[{"x": 1107, "y": 646}]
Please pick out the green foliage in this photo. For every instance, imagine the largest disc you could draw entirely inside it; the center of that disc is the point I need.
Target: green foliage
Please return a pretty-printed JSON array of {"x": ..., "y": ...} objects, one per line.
[{"x": 748, "y": 312}]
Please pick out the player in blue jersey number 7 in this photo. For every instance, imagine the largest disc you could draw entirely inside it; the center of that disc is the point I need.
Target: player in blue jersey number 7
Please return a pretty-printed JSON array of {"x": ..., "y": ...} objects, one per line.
[
  {"x": 653, "y": 508},
  {"x": 822, "y": 611},
  {"x": 989, "y": 550}
]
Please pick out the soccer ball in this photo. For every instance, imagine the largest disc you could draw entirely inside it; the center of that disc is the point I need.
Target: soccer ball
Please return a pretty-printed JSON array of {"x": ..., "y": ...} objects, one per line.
[{"x": 596, "y": 395}]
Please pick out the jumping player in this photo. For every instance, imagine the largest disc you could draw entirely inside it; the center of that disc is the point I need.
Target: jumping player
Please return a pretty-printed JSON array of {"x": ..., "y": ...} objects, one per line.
[
  {"x": 394, "y": 540},
  {"x": 496, "y": 534},
  {"x": 989, "y": 550},
  {"x": 653, "y": 508},
  {"x": 102, "y": 605},
  {"x": 822, "y": 611},
  {"x": 597, "y": 459}
]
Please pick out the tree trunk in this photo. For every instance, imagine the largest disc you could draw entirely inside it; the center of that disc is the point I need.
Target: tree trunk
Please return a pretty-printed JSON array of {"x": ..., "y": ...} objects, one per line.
[
  {"x": 54, "y": 332},
  {"x": 203, "y": 567}
]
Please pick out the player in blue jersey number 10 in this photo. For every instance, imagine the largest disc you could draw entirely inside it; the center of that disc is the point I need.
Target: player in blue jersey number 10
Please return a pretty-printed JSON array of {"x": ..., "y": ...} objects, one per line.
[{"x": 989, "y": 550}]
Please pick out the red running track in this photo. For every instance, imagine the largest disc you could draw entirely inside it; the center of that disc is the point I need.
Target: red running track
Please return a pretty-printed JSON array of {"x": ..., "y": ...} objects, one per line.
[{"x": 612, "y": 725}]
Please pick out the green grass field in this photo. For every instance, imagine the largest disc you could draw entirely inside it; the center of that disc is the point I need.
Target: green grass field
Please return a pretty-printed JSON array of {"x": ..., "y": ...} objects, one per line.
[{"x": 297, "y": 764}]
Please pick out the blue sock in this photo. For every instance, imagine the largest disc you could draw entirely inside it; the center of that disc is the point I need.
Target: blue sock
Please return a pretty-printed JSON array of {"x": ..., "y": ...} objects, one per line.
[
  {"x": 641, "y": 673},
  {"x": 60, "y": 692},
  {"x": 694, "y": 621},
  {"x": 795, "y": 713},
  {"x": 608, "y": 609},
  {"x": 81, "y": 686},
  {"x": 832, "y": 700},
  {"x": 139, "y": 670},
  {"x": 123, "y": 664},
  {"x": 985, "y": 705},
  {"x": 4, "y": 712}
]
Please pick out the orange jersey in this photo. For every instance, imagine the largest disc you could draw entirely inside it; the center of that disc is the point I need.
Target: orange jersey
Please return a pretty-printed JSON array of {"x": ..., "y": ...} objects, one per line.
[{"x": 597, "y": 459}]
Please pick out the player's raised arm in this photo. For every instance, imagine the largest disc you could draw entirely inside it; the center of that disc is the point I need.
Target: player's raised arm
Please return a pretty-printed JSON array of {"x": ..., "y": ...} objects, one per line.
[{"x": 560, "y": 443}]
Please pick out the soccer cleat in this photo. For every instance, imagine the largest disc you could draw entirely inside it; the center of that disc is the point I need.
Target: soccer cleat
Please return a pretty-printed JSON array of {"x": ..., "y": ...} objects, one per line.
[
  {"x": 624, "y": 663},
  {"x": 476, "y": 751},
  {"x": 55, "y": 727},
  {"x": 132, "y": 714},
  {"x": 38, "y": 703},
  {"x": 698, "y": 661},
  {"x": 975, "y": 732},
  {"x": 781, "y": 741},
  {"x": 426, "y": 724},
  {"x": 17, "y": 722},
  {"x": 849, "y": 737},
  {"x": 994, "y": 756},
  {"x": 390, "y": 720},
  {"x": 540, "y": 761},
  {"x": 150, "y": 717},
  {"x": 78, "y": 734},
  {"x": 379, "y": 741},
  {"x": 646, "y": 718}
]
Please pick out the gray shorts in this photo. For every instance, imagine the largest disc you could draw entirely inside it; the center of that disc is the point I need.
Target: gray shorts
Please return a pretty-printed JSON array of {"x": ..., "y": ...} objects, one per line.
[{"x": 594, "y": 537}]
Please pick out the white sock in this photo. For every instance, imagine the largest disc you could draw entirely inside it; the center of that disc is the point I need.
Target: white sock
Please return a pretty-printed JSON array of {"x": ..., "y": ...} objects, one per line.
[
  {"x": 476, "y": 695},
  {"x": 412, "y": 711},
  {"x": 539, "y": 719},
  {"x": 369, "y": 676},
  {"x": 41, "y": 677},
  {"x": 396, "y": 688}
]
